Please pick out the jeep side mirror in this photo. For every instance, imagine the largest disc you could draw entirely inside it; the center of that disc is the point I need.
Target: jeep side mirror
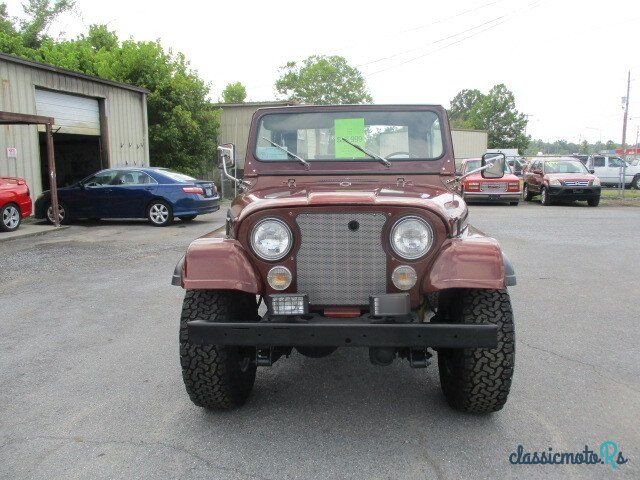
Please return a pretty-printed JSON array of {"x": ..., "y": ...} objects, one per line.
[
  {"x": 493, "y": 165},
  {"x": 226, "y": 155},
  {"x": 592, "y": 171}
]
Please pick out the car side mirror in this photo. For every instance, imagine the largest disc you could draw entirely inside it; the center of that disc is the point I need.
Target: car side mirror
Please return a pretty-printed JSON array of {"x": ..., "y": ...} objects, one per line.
[
  {"x": 592, "y": 171},
  {"x": 227, "y": 155},
  {"x": 494, "y": 164}
]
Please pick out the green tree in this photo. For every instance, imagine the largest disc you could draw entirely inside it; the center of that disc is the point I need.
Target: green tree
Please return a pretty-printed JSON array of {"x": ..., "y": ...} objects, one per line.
[
  {"x": 40, "y": 14},
  {"x": 464, "y": 106},
  {"x": 234, "y": 92},
  {"x": 495, "y": 112},
  {"x": 6, "y": 23},
  {"x": 322, "y": 80},
  {"x": 182, "y": 124}
]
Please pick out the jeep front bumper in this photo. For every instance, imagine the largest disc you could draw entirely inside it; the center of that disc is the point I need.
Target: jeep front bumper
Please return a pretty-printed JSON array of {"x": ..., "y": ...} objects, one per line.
[{"x": 319, "y": 331}]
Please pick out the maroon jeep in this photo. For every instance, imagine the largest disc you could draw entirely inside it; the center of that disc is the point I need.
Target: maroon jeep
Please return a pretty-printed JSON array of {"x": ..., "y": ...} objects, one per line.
[{"x": 349, "y": 230}]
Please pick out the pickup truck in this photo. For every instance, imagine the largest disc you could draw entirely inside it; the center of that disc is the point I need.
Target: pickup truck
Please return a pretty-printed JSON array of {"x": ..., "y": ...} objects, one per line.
[{"x": 609, "y": 170}]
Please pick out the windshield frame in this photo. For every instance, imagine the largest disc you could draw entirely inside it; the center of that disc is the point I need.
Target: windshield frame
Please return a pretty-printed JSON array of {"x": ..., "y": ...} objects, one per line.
[{"x": 354, "y": 108}]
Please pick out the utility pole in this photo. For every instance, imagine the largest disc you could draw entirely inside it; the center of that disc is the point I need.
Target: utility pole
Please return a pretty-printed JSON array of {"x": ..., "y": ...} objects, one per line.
[{"x": 624, "y": 131}]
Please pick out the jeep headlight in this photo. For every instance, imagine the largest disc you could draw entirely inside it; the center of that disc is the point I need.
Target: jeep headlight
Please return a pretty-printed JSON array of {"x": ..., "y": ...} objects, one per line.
[
  {"x": 595, "y": 182},
  {"x": 271, "y": 239},
  {"x": 411, "y": 238},
  {"x": 555, "y": 182}
]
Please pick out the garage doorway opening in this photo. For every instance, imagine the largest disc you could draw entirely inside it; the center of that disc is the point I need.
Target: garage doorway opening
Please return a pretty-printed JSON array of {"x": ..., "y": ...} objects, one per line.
[{"x": 77, "y": 156}]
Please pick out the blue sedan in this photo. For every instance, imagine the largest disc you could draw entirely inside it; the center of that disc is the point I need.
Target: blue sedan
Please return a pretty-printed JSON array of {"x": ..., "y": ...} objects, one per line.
[{"x": 157, "y": 194}]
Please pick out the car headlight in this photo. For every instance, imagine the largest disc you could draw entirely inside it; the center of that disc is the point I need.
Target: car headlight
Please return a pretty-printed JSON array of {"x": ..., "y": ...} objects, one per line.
[
  {"x": 411, "y": 237},
  {"x": 271, "y": 239},
  {"x": 595, "y": 182},
  {"x": 555, "y": 182}
]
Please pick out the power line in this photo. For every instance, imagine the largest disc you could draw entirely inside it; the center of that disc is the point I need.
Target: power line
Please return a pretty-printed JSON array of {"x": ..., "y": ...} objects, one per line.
[
  {"x": 419, "y": 27},
  {"x": 381, "y": 59},
  {"x": 500, "y": 21}
]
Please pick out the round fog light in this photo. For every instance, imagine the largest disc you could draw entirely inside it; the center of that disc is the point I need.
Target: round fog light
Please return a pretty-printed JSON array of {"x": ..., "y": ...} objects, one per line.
[
  {"x": 279, "y": 278},
  {"x": 404, "y": 277}
]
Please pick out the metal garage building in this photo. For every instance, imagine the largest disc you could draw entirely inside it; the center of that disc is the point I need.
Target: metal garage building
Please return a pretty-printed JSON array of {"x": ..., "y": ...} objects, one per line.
[{"x": 98, "y": 123}]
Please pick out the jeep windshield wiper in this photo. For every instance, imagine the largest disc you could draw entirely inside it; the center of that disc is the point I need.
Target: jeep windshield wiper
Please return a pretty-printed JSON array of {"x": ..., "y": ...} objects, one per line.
[
  {"x": 386, "y": 162},
  {"x": 291, "y": 154}
]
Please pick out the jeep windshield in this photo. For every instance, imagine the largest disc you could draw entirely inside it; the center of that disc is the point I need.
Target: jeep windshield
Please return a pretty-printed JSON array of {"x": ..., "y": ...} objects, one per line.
[{"x": 344, "y": 135}]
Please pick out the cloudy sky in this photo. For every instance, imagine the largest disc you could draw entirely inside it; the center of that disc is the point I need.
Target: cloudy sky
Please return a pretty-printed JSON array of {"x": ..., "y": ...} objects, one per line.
[{"x": 565, "y": 60}]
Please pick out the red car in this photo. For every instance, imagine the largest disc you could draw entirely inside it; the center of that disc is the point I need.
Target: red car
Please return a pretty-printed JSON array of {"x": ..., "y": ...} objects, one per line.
[
  {"x": 15, "y": 203},
  {"x": 479, "y": 189}
]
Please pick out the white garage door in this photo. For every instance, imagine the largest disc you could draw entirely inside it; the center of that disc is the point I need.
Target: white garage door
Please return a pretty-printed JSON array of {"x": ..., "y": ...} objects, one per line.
[{"x": 73, "y": 114}]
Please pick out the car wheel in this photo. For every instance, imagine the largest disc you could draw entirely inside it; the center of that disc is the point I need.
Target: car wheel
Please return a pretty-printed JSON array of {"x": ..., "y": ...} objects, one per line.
[
  {"x": 527, "y": 194},
  {"x": 63, "y": 214},
  {"x": 636, "y": 182},
  {"x": 477, "y": 380},
  {"x": 544, "y": 196},
  {"x": 10, "y": 216},
  {"x": 217, "y": 377},
  {"x": 593, "y": 202},
  {"x": 514, "y": 204},
  {"x": 159, "y": 213},
  {"x": 188, "y": 218}
]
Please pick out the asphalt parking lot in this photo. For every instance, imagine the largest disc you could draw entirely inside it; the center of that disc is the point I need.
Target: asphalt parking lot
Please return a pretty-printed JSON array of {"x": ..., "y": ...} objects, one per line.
[{"x": 91, "y": 385}]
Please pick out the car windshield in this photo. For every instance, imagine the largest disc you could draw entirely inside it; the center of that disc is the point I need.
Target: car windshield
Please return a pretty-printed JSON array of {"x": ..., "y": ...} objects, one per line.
[
  {"x": 564, "y": 166},
  {"x": 350, "y": 135},
  {"x": 475, "y": 164},
  {"x": 179, "y": 177}
]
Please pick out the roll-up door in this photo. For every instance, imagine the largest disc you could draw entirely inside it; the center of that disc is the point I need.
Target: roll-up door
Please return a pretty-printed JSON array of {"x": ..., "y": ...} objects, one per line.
[{"x": 72, "y": 113}]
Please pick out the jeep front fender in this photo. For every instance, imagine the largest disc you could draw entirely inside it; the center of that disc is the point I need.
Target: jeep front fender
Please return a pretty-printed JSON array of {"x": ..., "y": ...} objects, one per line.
[
  {"x": 470, "y": 262},
  {"x": 217, "y": 264}
]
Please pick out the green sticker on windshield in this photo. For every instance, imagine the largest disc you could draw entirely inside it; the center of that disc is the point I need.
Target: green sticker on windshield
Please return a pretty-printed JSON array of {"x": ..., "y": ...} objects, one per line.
[{"x": 353, "y": 130}]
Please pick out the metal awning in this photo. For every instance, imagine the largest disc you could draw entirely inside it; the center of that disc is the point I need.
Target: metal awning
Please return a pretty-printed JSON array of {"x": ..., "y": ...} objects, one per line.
[{"x": 11, "y": 118}]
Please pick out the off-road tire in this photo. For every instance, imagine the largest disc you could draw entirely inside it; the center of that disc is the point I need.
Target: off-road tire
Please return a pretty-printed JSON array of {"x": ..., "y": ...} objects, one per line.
[
  {"x": 545, "y": 198},
  {"x": 528, "y": 196},
  {"x": 593, "y": 202},
  {"x": 477, "y": 380},
  {"x": 217, "y": 377}
]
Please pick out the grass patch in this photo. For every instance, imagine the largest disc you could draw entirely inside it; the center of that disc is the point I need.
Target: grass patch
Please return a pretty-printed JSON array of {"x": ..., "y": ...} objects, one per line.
[{"x": 612, "y": 196}]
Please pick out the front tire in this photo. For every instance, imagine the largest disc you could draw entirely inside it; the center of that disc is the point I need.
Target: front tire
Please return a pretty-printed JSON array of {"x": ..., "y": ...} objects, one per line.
[
  {"x": 217, "y": 377},
  {"x": 159, "y": 213},
  {"x": 63, "y": 214},
  {"x": 10, "y": 218},
  {"x": 527, "y": 193},
  {"x": 593, "y": 202},
  {"x": 477, "y": 380},
  {"x": 636, "y": 182},
  {"x": 545, "y": 199}
]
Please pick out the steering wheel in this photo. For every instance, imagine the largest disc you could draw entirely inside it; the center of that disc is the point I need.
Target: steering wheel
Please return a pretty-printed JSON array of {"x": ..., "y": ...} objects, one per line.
[{"x": 404, "y": 154}]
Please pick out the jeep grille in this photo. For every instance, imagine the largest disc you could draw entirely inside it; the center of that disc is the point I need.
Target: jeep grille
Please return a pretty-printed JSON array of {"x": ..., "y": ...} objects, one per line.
[{"x": 341, "y": 262}]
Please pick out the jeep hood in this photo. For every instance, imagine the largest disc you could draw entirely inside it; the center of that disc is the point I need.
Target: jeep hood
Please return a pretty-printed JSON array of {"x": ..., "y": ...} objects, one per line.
[{"x": 409, "y": 192}]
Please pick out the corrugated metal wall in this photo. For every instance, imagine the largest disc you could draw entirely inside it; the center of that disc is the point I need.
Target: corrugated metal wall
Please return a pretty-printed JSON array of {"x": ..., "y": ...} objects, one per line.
[
  {"x": 234, "y": 128},
  {"x": 469, "y": 143},
  {"x": 125, "y": 113}
]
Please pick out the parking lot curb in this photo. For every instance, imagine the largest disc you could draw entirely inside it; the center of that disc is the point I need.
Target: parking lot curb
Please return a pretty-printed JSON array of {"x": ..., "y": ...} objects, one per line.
[{"x": 6, "y": 237}]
